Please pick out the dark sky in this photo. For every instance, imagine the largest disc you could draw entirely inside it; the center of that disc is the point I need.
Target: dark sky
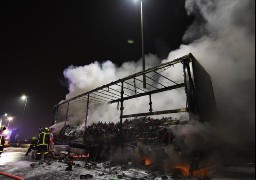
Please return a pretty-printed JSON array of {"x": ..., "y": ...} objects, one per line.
[{"x": 39, "y": 39}]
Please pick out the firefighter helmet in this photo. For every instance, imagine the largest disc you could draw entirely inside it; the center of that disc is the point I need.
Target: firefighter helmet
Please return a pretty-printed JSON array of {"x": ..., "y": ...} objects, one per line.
[
  {"x": 34, "y": 138},
  {"x": 46, "y": 129}
]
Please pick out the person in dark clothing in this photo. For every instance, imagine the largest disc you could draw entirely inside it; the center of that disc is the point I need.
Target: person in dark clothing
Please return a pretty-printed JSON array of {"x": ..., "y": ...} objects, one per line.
[
  {"x": 33, "y": 145},
  {"x": 43, "y": 144},
  {"x": 2, "y": 139}
]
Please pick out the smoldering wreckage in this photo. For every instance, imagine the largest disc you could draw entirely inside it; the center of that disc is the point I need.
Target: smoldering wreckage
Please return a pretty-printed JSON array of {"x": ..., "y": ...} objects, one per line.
[
  {"x": 153, "y": 141},
  {"x": 107, "y": 129}
]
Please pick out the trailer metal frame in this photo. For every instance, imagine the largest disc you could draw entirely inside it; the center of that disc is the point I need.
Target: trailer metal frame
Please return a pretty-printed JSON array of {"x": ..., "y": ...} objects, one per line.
[{"x": 109, "y": 93}]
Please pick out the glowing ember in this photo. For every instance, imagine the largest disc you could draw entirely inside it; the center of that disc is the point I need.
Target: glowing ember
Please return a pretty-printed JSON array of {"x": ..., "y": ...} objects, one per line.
[
  {"x": 196, "y": 173},
  {"x": 184, "y": 169},
  {"x": 147, "y": 161}
]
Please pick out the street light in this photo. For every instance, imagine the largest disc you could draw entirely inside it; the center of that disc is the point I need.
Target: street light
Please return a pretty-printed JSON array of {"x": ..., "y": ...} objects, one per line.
[
  {"x": 5, "y": 116},
  {"x": 9, "y": 118},
  {"x": 142, "y": 42},
  {"x": 24, "y": 98}
]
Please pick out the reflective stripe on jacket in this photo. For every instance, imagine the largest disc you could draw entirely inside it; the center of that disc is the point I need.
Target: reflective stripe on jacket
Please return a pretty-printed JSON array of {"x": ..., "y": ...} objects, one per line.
[
  {"x": 43, "y": 139},
  {"x": 2, "y": 140}
]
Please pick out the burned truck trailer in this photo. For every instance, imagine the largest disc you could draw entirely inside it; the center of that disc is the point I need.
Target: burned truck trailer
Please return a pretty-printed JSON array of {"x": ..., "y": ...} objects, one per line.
[{"x": 70, "y": 123}]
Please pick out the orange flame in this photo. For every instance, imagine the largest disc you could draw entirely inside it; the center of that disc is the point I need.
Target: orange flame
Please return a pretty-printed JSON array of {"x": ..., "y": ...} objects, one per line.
[
  {"x": 184, "y": 169},
  {"x": 202, "y": 172},
  {"x": 147, "y": 161}
]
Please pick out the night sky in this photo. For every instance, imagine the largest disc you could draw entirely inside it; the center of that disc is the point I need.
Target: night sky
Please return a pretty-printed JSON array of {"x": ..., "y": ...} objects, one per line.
[{"x": 39, "y": 39}]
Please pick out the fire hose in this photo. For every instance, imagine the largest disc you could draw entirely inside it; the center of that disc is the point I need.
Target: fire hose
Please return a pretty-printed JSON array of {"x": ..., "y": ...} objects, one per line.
[{"x": 10, "y": 176}]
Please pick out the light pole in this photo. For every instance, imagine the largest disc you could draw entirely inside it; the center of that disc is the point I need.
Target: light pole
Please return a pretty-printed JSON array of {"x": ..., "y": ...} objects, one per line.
[
  {"x": 24, "y": 98},
  {"x": 142, "y": 42}
]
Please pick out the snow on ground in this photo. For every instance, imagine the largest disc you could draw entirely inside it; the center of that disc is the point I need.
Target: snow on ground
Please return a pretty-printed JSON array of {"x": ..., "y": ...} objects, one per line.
[{"x": 14, "y": 162}]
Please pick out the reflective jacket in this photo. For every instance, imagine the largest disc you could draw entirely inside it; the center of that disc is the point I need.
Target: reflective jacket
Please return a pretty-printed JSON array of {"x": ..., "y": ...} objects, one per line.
[
  {"x": 43, "y": 139},
  {"x": 33, "y": 143}
]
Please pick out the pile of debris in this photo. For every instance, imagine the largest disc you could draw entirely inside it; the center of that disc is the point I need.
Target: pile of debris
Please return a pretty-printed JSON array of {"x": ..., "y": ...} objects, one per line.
[{"x": 95, "y": 170}]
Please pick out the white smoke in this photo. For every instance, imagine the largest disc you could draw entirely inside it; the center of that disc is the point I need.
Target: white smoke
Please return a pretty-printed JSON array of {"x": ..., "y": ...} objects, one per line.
[
  {"x": 227, "y": 52},
  {"x": 225, "y": 48},
  {"x": 85, "y": 78}
]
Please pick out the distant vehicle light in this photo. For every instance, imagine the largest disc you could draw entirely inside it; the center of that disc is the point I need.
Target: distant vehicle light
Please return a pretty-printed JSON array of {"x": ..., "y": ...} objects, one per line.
[{"x": 6, "y": 132}]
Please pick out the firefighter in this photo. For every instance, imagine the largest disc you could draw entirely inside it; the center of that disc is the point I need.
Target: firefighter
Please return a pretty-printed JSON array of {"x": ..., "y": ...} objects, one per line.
[
  {"x": 43, "y": 144},
  {"x": 33, "y": 145},
  {"x": 2, "y": 139}
]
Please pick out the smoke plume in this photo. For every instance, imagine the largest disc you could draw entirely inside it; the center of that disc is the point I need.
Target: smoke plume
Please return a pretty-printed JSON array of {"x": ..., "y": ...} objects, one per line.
[
  {"x": 83, "y": 79},
  {"x": 224, "y": 44},
  {"x": 226, "y": 50},
  {"x": 223, "y": 41}
]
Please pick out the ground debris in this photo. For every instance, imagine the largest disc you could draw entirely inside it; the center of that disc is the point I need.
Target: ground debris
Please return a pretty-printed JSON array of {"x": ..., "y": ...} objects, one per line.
[
  {"x": 88, "y": 165},
  {"x": 34, "y": 165},
  {"x": 69, "y": 168},
  {"x": 86, "y": 176},
  {"x": 101, "y": 174}
]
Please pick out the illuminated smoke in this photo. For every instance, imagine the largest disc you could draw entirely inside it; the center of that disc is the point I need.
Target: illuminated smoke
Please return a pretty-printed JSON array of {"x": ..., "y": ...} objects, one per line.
[
  {"x": 84, "y": 78},
  {"x": 226, "y": 51},
  {"x": 223, "y": 43}
]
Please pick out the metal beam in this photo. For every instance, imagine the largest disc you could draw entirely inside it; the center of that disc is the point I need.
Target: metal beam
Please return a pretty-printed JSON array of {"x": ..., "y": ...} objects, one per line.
[
  {"x": 100, "y": 91},
  {"x": 150, "y": 92},
  {"x": 165, "y": 77},
  {"x": 147, "y": 83},
  {"x": 156, "y": 113},
  {"x": 155, "y": 81},
  {"x": 111, "y": 92},
  {"x": 121, "y": 109},
  {"x": 134, "y": 82},
  {"x": 125, "y": 87},
  {"x": 135, "y": 87},
  {"x": 150, "y": 104},
  {"x": 86, "y": 116},
  {"x": 161, "y": 66},
  {"x": 101, "y": 96},
  {"x": 117, "y": 91},
  {"x": 87, "y": 110},
  {"x": 92, "y": 99}
]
